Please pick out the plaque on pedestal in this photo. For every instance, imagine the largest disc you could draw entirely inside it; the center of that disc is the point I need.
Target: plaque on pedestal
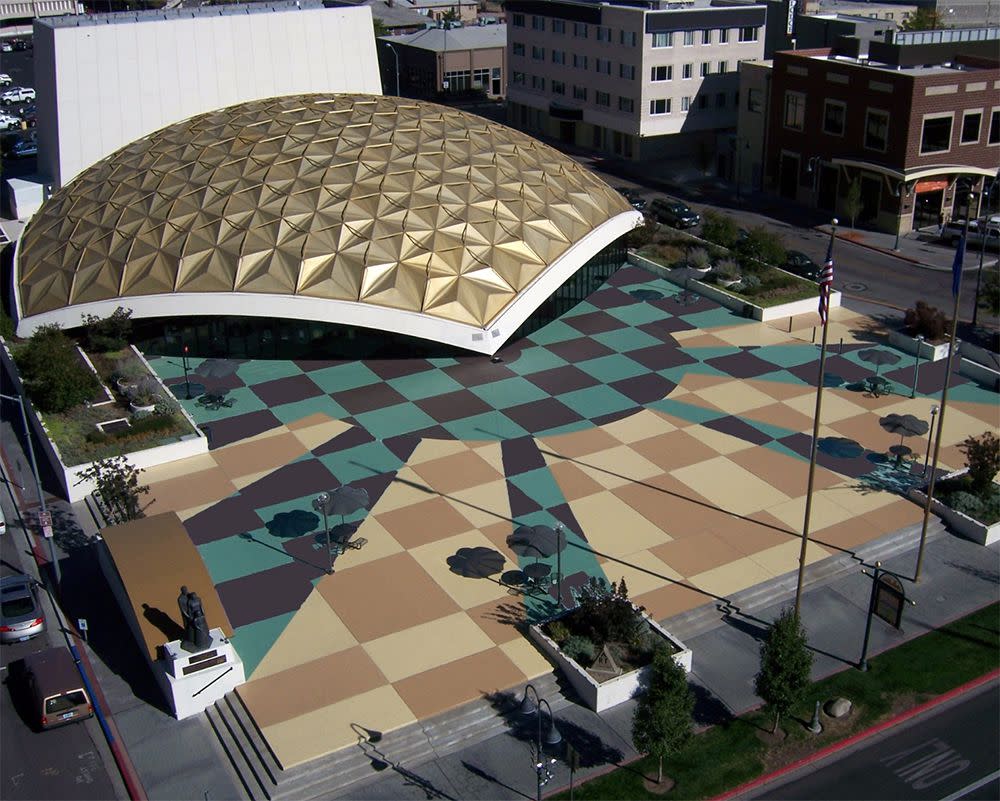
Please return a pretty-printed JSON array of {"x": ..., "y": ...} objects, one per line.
[{"x": 197, "y": 679}]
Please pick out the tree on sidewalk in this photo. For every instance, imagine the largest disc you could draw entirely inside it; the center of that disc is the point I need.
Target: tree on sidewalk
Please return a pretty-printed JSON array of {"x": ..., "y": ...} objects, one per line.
[
  {"x": 785, "y": 662},
  {"x": 117, "y": 488},
  {"x": 853, "y": 202},
  {"x": 661, "y": 723}
]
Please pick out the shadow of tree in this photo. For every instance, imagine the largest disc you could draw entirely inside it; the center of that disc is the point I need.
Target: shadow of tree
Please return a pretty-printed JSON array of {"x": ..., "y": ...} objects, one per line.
[
  {"x": 708, "y": 709},
  {"x": 292, "y": 524},
  {"x": 66, "y": 531},
  {"x": 983, "y": 574},
  {"x": 489, "y": 777}
]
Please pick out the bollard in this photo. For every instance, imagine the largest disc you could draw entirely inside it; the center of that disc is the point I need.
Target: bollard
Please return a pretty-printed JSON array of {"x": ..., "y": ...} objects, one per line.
[
  {"x": 815, "y": 726},
  {"x": 840, "y": 351}
]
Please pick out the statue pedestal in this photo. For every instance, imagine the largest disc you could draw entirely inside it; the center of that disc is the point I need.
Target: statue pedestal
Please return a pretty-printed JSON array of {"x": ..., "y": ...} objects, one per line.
[{"x": 196, "y": 680}]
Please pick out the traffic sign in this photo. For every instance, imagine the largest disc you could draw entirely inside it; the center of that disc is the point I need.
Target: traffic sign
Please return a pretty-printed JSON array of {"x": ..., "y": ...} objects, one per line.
[
  {"x": 45, "y": 523},
  {"x": 81, "y": 623}
]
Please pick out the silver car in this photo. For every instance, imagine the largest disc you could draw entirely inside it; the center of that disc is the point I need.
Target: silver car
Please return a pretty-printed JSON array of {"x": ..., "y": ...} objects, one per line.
[{"x": 21, "y": 616}]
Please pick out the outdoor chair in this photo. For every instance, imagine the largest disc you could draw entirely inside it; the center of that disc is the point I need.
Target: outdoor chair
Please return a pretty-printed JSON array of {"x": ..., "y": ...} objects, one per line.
[{"x": 878, "y": 386}]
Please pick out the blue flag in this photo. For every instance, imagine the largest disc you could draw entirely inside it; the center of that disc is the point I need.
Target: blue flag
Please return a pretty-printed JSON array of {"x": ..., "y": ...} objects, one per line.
[{"x": 956, "y": 268}]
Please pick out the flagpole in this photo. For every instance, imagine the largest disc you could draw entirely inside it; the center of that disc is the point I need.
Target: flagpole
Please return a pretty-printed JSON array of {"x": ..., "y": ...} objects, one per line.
[
  {"x": 816, "y": 417},
  {"x": 957, "y": 292}
]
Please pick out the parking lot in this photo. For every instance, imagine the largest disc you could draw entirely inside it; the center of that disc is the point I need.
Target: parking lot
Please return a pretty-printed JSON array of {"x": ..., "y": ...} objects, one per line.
[{"x": 19, "y": 65}]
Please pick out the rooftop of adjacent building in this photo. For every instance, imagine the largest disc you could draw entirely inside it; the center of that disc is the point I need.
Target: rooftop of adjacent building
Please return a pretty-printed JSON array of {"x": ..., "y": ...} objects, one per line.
[
  {"x": 471, "y": 37},
  {"x": 185, "y": 12},
  {"x": 661, "y": 5}
]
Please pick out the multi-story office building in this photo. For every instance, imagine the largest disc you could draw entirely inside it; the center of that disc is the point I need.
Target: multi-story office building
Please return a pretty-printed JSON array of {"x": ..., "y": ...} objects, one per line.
[
  {"x": 638, "y": 80},
  {"x": 916, "y": 124}
]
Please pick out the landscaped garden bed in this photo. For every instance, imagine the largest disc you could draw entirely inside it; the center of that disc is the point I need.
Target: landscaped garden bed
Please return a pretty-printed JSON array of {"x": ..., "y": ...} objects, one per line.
[{"x": 605, "y": 644}]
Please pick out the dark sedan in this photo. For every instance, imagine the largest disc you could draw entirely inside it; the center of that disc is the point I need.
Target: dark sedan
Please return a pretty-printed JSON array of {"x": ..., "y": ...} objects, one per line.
[
  {"x": 673, "y": 212},
  {"x": 801, "y": 265}
]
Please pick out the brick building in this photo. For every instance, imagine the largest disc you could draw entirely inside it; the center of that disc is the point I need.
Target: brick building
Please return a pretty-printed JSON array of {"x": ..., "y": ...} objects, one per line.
[{"x": 916, "y": 123}]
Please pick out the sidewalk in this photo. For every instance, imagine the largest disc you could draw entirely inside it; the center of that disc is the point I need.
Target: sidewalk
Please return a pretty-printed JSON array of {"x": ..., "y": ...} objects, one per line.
[{"x": 958, "y": 577}]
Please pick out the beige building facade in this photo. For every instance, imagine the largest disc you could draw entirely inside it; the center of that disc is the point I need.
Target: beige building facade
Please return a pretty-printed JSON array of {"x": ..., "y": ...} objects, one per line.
[{"x": 634, "y": 82}]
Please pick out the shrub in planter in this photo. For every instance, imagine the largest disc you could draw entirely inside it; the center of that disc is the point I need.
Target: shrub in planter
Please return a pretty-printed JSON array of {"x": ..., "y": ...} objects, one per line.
[
  {"x": 748, "y": 285},
  {"x": 580, "y": 649},
  {"x": 698, "y": 258},
  {"x": 105, "y": 334},
  {"x": 928, "y": 321},
  {"x": 727, "y": 270},
  {"x": 761, "y": 245},
  {"x": 54, "y": 376},
  {"x": 558, "y": 632},
  {"x": 966, "y": 503},
  {"x": 642, "y": 235},
  {"x": 720, "y": 229},
  {"x": 982, "y": 457}
]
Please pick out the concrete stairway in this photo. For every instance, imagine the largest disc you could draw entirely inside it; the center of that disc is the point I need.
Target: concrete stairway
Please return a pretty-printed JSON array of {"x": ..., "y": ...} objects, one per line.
[{"x": 250, "y": 756}]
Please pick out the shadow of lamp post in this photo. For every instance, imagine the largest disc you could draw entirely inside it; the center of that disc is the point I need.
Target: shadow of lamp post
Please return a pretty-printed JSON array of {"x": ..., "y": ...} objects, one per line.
[
  {"x": 552, "y": 736},
  {"x": 320, "y": 504},
  {"x": 916, "y": 365},
  {"x": 930, "y": 436}
]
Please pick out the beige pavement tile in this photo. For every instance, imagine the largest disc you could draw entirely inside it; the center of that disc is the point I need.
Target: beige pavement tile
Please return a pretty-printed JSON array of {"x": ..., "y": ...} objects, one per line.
[
  {"x": 697, "y": 339},
  {"x": 750, "y": 335},
  {"x": 300, "y": 689},
  {"x": 835, "y": 406},
  {"x": 865, "y": 429},
  {"x": 429, "y": 520},
  {"x": 693, "y": 555},
  {"x": 573, "y": 482},
  {"x": 613, "y": 528},
  {"x": 671, "y": 600},
  {"x": 526, "y": 656},
  {"x": 781, "y": 414},
  {"x": 893, "y": 516},
  {"x": 858, "y": 498},
  {"x": 698, "y": 381},
  {"x": 755, "y": 533},
  {"x": 782, "y": 390},
  {"x": 675, "y": 449},
  {"x": 735, "y": 397},
  {"x": 650, "y": 502},
  {"x": 949, "y": 456},
  {"x": 679, "y": 510},
  {"x": 245, "y": 481},
  {"x": 847, "y": 534},
  {"x": 783, "y": 472},
  {"x": 190, "y": 490},
  {"x": 485, "y": 505},
  {"x": 730, "y": 486},
  {"x": 784, "y": 558},
  {"x": 312, "y": 436},
  {"x": 182, "y": 467},
  {"x": 366, "y": 598},
  {"x": 503, "y": 620},
  {"x": 643, "y": 571},
  {"x": 621, "y": 461},
  {"x": 187, "y": 514},
  {"x": 258, "y": 455},
  {"x": 642, "y": 425},
  {"x": 315, "y": 631},
  {"x": 984, "y": 412},
  {"x": 428, "y": 645},
  {"x": 497, "y": 534},
  {"x": 451, "y": 474},
  {"x": 466, "y": 592},
  {"x": 470, "y": 678},
  {"x": 733, "y": 577},
  {"x": 958, "y": 426},
  {"x": 578, "y": 443},
  {"x": 380, "y": 544},
  {"x": 723, "y": 443},
  {"x": 406, "y": 489},
  {"x": 311, "y": 421},
  {"x": 491, "y": 453},
  {"x": 694, "y": 398},
  {"x": 327, "y": 729},
  {"x": 430, "y": 449},
  {"x": 824, "y": 512}
]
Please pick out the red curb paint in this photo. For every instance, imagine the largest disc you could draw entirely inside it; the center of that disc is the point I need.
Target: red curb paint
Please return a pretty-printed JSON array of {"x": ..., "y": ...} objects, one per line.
[{"x": 855, "y": 738}]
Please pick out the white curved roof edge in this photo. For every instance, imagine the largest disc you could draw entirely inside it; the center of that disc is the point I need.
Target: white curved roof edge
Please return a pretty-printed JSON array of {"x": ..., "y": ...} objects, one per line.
[{"x": 296, "y": 307}]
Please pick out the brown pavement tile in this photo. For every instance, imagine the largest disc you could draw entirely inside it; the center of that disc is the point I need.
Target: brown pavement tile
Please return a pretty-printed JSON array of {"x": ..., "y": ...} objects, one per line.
[
  {"x": 779, "y": 414},
  {"x": 847, "y": 534},
  {"x": 258, "y": 455},
  {"x": 650, "y": 502},
  {"x": 671, "y": 600},
  {"x": 443, "y": 688},
  {"x": 385, "y": 596},
  {"x": 194, "y": 489},
  {"x": 894, "y": 516},
  {"x": 572, "y": 481},
  {"x": 785, "y": 473},
  {"x": 781, "y": 390},
  {"x": 503, "y": 620},
  {"x": 865, "y": 429},
  {"x": 578, "y": 443},
  {"x": 730, "y": 486},
  {"x": 318, "y": 418},
  {"x": 757, "y": 532},
  {"x": 696, "y": 554},
  {"x": 984, "y": 412},
  {"x": 298, "y": 690},
  {"x": 423, "y": 522},
  {"x": 459, "y": 471},
  {"x": 497, "y": 534},
  {"x": 674, "y": 449},
  {"x": 696, "y": 339},
  {"x": 836, "y": 405}
]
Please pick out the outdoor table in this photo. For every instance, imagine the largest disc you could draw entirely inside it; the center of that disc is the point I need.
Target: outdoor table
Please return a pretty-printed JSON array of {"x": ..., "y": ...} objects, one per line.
[
  {"x": 900, "y": 452},
  {"x": 537, "y": 573},
  {"x": 878, "y": 385},
  {"x": 513, "y": 578}
]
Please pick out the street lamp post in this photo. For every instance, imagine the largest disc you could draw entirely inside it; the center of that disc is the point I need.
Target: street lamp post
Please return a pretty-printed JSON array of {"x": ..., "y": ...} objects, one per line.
[
  {"x": 38, "y": 482},
  {"x": 552, "y": 736},
  {"x": 930, "y": 434},
  {"x": 320, "y": 505},
  {"x": 900, "y": 192},
  {"x": 812, "y": 167},
  {"x": 863, "y": 664},
  {"x": 187, "y": 383},
  {"x": 916, "y": 366},
  {"x": 393, "y": 50},
  {"x": 559, "y": 543}
]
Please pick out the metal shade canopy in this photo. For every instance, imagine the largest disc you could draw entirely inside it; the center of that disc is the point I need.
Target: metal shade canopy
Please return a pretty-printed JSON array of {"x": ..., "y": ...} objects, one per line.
[
  {"x": 215, "y": 368},
  {"x": 343, "y": 501},
  {"x": 878, "y": 357},
  {"x": 537, "y": 541},
  {"x": 478, "y": 562},
  {"x": 906, "y": 425}
]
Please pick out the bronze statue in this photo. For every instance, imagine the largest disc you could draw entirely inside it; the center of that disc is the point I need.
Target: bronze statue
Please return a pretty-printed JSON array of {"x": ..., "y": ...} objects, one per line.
[{"x": 196, "y": 634}]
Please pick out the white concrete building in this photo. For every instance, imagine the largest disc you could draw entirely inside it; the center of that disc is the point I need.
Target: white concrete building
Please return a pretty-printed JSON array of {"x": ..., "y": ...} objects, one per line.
[{"x": 106, "y": 80}]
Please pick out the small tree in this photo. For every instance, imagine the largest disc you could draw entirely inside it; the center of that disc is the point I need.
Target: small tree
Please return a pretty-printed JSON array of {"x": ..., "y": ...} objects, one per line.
[
  {"x": 982, "y": 457},
  {"x": 105, "y": 334},
  {"x": 117, "y": 485},
  {"x": 661, "y": 723},
  {"x": 785, "y": 662},
  {"x": 379, "y": 26},
  {"x": 924, "y": 18},
  {"x": 989, "y": 294},
  {"x": 719, "y": 228},
  {"x": 853, "y": 203},
  {"x": 642, "y": 235},
  {"x": 54, "y": 376},
  {"x": 761, "y": 245},
  {"x": 928, "y": 321}
]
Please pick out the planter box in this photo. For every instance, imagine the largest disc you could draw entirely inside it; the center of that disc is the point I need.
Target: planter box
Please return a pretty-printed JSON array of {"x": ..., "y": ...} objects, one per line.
[
  {"x": 604, "y": 695},
  {"x": 961, "y": 524},
  {"x": 908, "y": 344},
  {"x": 729, "y": 301}
]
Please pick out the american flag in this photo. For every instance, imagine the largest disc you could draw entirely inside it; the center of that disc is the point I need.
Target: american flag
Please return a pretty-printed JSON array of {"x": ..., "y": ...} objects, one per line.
[{"x": 826, "y": 284}]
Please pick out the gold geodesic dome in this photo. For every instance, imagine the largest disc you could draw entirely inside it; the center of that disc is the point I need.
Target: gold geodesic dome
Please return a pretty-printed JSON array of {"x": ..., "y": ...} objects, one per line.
[{"x": 382, "y": 201}]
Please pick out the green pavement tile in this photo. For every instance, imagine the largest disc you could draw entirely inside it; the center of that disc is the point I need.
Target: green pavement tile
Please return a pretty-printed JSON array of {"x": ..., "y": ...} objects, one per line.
[
  {"x": 254, "y": 640},
  {"x": 324, "y": 404},
  {"x": 257, "y": 371},
  {"x": 361, "y": 461},
  {"x": 426, "y": 384},
  {"x": 784, "y": 450},
  {"x": 540, "y": 486},
  {"x": 556, "y": 331},
  {"x": 244, "y": 400},
  {"x": 638, "y": 313},
  {"x": 626, "y": 339},
  {"x": 238, "y": 556},
  {"x": 167, "y": 367},
  {"x": 596, "y": 401},
  {"x": 777, "y": 432},
  {"x": 305, "y": 520},
  {"x": 509, "y": 392},
  {"x": 612, "y": 368},
  {"x": 583, "y": 307},
  {"x": 342, "y": 377},
  {"x": 781, "y": 376},
  {"x": 687, "y": 411},
  {"x": 969, "y": 392},
  {"x": 568, "y": 428},
  {"x": 787, "y": 355},
  {"x": 715, "y": 318},
  {"x": 403, "y": 418},
  {"x": 443, "y": 361},
  {"x": 485, "y": 426},
  {"x": 704, "y": 354},
  {"x": 534, "y": 360}
]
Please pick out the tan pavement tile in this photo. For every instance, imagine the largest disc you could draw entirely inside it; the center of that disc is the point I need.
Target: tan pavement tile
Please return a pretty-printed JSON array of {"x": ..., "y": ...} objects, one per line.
[
  {"x": 824, "y": 512},
  {"x": 671, "y": 600},
  {"x": 756, "y": 533},
  {"x": 503, "y": 619},
  {"x": 865, "y": 429},
  {"x": 836, "y": 406},
  {"x": 784, "y": 558},
  {"x": 316, "y": 434},
  {"x": 675, "y": 449},
  {"x": 894, "y": 516},
  {"x": 781, "y": 414},
  {"x": 622, "y": 461},
  {"x": 730, "y": 578},
  {"x": 427, "y": 521},
  {"x": 847, "y": 534},
  {"x": 637, "y": 427},
  {"x": 613, "y": 527},
  {"x": 430, "y": 449},
  {"x": 183, "y": 492},
  {"x": 651, "y": 502},
  {"x": 484, "y": 505},
  {"x": 526, "y": 657},
  {"x": 785, "y": 473},
  {"x": 578, "y": 443},
  {"x": 729, "y": 486},
  {"x": 182, "y": 467},
  {"x": 958, "y": 426},
  {"x": 459, "y": 471},
  {"x": 573, "y": 482},
  {"x": 465, "y": 591},
  {"x": 693, "y": 555},
  {"x": 751, "y": 335},
  {"x": 984, "y": 412},
  {"x": 782, "y": 390},
  {"x": 258, "y": 455},
  {"x": 735, "y": 397},
  {"x": 379, "y": 544},
  {"x": 643, "y": 571},
  {"x": 722, "y": 443}
]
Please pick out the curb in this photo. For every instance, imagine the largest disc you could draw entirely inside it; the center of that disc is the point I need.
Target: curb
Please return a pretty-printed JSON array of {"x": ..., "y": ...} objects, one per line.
[
  {"x": 887, "y": 251},
  {"x": 859, "y": 737}
]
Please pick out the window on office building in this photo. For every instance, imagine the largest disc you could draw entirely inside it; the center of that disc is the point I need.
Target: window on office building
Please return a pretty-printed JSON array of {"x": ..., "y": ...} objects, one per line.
[
  {"x": 661, "y": 106},
  {"x": 706, "y": 36},
  {"x": 458, "y": 80},
  {"x": 626, "y": 71},
  {"x": 972, "y": 121},
  {"x": 579, "y": 92},
  {"x": 580, "y": 62},
  {"x": 705, "y": 67},
  {"x": 558, "y": 56},
  {"x": 558, "y": 88},
  {"x": 518, "y": 20},
  {"x": 755, "y": 100},
  {"x": 538, "y": 82},
  {"x": 936, "y": 134},
  {"x": 580, "y": 29},
  {"x": 686, "y": 71},
  {"x": 558, "y": 26},
  {"x": 723, "y": 66},
  {"x": 518, "y": 48},
  {"x": 603, "y": 65},
  {"x": 627, "y": 38},
  {"x": 517, "y": 77},
  {"x": 537, "y": 23},
  {"x": 994, "y": 137},
  {"x": 626, "y": 104},
  {"x": 720, "y": 99},
  {"x": 795, "y": 110},
  {"x": 603, "y": 33},
  {"x": 723, "y": 35},
  {"x": 877, "y": 130},
  {"x": 748, "y": 33},
  {"x": 480, "y": 79},
  {"x": 685, "y": 103},
  {"x": 538, "y": 53},
  {"x": 661, "y": 73},
  {"x": 602, "y": 98},
  {"x": 702, "y": 101},
  {"x": 834, "y": 116},
  {"x": 688, "y": 38},
  {"x": 663, "y": 39}
]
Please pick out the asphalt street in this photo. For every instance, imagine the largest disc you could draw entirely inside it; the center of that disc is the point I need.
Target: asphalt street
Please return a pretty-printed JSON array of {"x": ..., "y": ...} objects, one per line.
[{"x": 948, "y": 753}]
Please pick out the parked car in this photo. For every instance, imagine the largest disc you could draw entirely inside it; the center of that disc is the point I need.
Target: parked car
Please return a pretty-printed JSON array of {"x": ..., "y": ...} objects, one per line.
[
  {"x": 23, "y": 149},
  {"x": 21, "y": 616},
  {"x": 633, "y": 196},
  {"x": 674, "y": 212},
  {"x": 9, "y": 122},
  {"x": 801, "y": 265},
  {"x": 6, "y": 47},
  {"x": 5, "y": 79},
  {"x": 55, "y": 691},
  {"x": 22, "y": 44},
  {"x": 953, "y": 230},
  {"x": 20, "y": 94}
]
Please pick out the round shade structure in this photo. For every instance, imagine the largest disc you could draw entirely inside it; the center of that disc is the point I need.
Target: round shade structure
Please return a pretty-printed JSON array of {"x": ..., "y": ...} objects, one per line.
[{"x": 367, "y": 211}]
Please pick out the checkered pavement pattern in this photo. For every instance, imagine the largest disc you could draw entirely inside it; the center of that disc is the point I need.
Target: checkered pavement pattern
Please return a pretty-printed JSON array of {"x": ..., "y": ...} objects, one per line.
[{"x": 668, "y": 436}]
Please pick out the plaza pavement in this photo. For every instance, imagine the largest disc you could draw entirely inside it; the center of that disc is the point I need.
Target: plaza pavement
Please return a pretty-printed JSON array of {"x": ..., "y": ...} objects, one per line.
[{"x": 666, "y": 434}]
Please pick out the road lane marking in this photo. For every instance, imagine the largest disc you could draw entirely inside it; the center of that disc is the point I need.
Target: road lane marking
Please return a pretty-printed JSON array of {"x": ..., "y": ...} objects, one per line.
[
  {"x": 926, "y": 764},
  {"x": 974, "y": 786}
]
